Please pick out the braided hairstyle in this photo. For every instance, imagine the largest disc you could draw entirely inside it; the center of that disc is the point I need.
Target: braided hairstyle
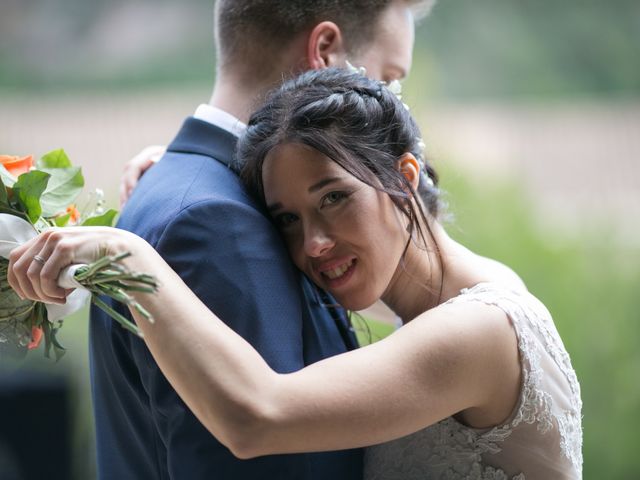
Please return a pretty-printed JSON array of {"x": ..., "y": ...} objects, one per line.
[{"x": 353, "y": 120}]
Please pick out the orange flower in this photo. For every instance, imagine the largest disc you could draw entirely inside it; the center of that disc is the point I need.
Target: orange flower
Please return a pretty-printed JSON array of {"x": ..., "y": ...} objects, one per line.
[
  {"x": 16, "y": 165},
  {"x": 36, "y": 338},
  {"x": 74, "y": 213}
]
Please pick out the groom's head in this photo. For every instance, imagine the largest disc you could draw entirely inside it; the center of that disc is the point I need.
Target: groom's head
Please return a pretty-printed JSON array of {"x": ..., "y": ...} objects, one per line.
[{"x": 260, "y": 41}]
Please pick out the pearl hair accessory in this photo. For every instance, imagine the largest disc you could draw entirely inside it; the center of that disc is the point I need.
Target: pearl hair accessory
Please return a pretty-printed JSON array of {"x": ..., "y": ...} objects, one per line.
[{"x": 395, "y": 87}]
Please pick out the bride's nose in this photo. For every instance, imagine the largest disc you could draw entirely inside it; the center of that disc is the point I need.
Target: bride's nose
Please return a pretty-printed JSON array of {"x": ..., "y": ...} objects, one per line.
[{"x": 317, "y": 241}]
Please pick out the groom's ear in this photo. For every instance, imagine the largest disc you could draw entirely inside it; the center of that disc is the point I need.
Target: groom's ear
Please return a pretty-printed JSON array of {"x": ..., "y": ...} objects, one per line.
[
  {"x": 325, "y": 46},
  {"x": 409, "y": 166}
]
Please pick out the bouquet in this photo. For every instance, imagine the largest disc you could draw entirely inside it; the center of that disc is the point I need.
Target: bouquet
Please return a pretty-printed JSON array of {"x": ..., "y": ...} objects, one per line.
[{"x": 32, "y": 199}]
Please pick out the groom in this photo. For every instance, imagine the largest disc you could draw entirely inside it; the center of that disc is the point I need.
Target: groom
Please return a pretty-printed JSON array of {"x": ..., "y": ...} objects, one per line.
[{"x": 192, "y": 208}]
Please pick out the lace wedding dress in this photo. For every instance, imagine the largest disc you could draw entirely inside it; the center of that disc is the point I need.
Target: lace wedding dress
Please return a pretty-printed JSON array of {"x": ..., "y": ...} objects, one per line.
[{"x": 542, "y": 439}]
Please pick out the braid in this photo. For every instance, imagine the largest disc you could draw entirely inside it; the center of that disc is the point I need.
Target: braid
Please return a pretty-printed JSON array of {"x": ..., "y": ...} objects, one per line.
[{"x": 355, "y": 121}]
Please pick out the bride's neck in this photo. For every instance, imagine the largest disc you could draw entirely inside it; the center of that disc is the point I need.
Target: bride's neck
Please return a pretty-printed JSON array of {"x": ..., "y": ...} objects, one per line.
[{"x": 427, "y": 277}]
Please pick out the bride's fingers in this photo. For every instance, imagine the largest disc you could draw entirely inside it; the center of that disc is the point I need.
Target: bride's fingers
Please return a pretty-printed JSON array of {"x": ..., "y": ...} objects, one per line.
[
  {"x": 20, "y": 260},
  {"x": 61, "y": 257},
  {"x": 33, "y": 274},
  {"x": 43, "y": 282},
  {"x": 34, "y": 267},
  {"x": 57, "y": 252},
  {"x": 51, "y": 271}
]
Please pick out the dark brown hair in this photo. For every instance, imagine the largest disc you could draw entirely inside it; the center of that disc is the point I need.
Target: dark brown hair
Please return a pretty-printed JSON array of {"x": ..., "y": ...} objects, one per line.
[{"x": 353, "y": 120}]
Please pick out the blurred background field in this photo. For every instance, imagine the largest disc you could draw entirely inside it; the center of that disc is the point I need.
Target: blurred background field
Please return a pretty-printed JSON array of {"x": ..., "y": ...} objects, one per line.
[{"x": 530, "y": 111}]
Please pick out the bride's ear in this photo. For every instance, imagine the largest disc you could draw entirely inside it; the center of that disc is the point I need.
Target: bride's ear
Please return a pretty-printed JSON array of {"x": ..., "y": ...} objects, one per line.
[
  {"x": 325, "y": 47},
  {"x": 409, "y": 166}
]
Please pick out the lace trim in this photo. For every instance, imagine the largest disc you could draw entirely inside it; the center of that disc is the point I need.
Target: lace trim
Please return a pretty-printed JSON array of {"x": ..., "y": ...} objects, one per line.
[
  {"x": 454, "y": 453},
  {"x": 451, "y": 450},
  {"x": 457, "y": 452},
  {"x": 536, "y": 404},
  {"x": 490, "y": 473},
  {"x": 569, "y": 426}
]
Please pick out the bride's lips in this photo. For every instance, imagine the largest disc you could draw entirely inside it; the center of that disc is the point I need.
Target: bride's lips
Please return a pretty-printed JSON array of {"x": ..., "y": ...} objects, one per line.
[{"x": 336, "y": 273}]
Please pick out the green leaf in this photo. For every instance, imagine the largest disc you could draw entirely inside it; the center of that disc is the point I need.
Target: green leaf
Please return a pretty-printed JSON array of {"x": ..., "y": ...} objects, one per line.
[
  {"x": 54, "y": 159},
  {"x": 4, "y": 197},
  {"x": 28, "y": 189},
  {"x": 12, "y": 211},
  {"x": 6, "y": 177},
  {"x": 50, "y": 339},
  {"x": 62, "y": 220},
  {"x": 122, "y": 320},
  {"x": 104, "y": 220},
  {"x": 64, "y": 187}
]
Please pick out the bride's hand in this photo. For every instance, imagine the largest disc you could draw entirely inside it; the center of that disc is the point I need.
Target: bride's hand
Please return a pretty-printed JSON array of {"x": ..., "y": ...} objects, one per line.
[
  {"x": 135, "y": 168},
  {"x": 35, "y": 266}
]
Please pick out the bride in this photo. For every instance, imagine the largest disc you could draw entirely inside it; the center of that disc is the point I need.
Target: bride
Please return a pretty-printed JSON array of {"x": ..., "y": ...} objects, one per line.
[{"x": 475, "y": 384}]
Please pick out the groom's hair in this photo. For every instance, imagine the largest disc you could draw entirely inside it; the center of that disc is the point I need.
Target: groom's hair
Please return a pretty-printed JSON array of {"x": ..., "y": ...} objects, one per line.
[{"x": 255, "y": 30}]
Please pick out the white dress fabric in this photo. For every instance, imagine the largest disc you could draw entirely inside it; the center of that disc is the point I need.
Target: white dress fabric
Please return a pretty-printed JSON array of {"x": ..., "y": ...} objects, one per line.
[{"x": 542, "y": 439}]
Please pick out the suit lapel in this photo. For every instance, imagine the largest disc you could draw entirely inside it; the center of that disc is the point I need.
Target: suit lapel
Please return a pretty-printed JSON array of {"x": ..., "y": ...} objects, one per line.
[{"x": 203, "y": 138}]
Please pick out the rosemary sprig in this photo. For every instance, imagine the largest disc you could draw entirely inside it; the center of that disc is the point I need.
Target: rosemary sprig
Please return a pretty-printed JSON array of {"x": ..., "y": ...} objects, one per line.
[{"x": 108, "y": 277}]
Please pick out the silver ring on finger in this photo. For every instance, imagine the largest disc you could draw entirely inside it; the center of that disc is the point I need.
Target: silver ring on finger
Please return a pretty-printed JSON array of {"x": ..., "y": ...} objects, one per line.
[{"x": 39, "y": 259}]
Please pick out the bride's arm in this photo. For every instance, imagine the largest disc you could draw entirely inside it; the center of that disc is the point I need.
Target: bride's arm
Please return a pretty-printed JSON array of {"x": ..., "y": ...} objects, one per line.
[{"x": 451, "y": 359}]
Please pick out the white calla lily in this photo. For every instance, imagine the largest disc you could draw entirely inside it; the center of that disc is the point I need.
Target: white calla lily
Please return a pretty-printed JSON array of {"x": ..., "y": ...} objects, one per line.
[{"x": 14, "y": 231}]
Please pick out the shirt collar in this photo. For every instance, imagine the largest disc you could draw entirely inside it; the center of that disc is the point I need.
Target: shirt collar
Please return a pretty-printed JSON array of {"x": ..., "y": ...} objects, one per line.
[{"x": 220, "y": 118}]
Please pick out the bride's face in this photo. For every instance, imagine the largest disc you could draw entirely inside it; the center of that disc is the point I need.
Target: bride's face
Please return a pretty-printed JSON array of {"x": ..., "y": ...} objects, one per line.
[{"x": 345, "y": 235}]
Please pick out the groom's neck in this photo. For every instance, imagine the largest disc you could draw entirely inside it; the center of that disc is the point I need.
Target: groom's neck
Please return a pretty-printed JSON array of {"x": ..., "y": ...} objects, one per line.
[{"x": 238, "y": 99}]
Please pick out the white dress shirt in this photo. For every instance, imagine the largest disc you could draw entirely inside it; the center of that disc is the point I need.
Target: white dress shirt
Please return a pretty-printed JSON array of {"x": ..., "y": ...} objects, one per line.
[{"x": 220, "y": 118}]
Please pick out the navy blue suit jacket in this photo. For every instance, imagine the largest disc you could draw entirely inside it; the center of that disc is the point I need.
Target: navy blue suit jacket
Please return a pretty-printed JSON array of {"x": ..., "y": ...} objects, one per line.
[{"x": 193, "y": 209}]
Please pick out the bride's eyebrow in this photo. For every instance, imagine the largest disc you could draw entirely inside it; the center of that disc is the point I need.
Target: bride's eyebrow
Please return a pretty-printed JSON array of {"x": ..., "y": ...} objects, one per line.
[
  {"x": 322, "y": 183},
  {"x": 274, "y": 207}
]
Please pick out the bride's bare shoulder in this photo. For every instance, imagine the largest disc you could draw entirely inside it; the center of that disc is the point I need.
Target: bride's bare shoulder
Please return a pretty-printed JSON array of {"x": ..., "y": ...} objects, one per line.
[{"x": 500, "y": 273}]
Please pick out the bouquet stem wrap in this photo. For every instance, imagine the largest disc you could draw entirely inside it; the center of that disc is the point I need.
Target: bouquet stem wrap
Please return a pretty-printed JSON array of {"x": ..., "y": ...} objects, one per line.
[{"x": 105, "y": 277}]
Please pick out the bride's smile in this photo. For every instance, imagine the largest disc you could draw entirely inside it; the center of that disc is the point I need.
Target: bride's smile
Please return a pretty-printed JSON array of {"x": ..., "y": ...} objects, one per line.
[{"x": 347, "y": 236}]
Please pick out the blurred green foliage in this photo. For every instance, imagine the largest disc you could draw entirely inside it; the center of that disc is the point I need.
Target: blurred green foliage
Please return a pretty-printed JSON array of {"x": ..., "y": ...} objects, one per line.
[
  {"x": 368, "y": 330},
  {"x": 590, "y": 285},
  {"x": 531, "y": 48},
  {"x": 464, "y": 49}
]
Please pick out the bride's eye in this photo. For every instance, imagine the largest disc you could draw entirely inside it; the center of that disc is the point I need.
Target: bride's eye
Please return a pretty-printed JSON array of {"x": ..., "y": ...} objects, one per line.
[
  {"x": 332, "y": 198},
  {"x": 285, "y": 220}
]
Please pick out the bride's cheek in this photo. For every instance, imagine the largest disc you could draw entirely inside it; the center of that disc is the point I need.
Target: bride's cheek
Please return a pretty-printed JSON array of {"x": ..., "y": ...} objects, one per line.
[{"x": 294, "y": 244}]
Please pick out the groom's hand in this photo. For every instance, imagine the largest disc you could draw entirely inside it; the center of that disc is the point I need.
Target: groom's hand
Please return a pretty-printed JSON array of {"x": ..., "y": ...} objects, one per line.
[{"x": 135, "y": 168}]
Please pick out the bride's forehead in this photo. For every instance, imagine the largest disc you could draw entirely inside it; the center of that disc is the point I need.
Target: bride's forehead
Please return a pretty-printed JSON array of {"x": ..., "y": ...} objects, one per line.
[
  {"x": 297, "y": 171},
  {"x": 290, "y": 159}
]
